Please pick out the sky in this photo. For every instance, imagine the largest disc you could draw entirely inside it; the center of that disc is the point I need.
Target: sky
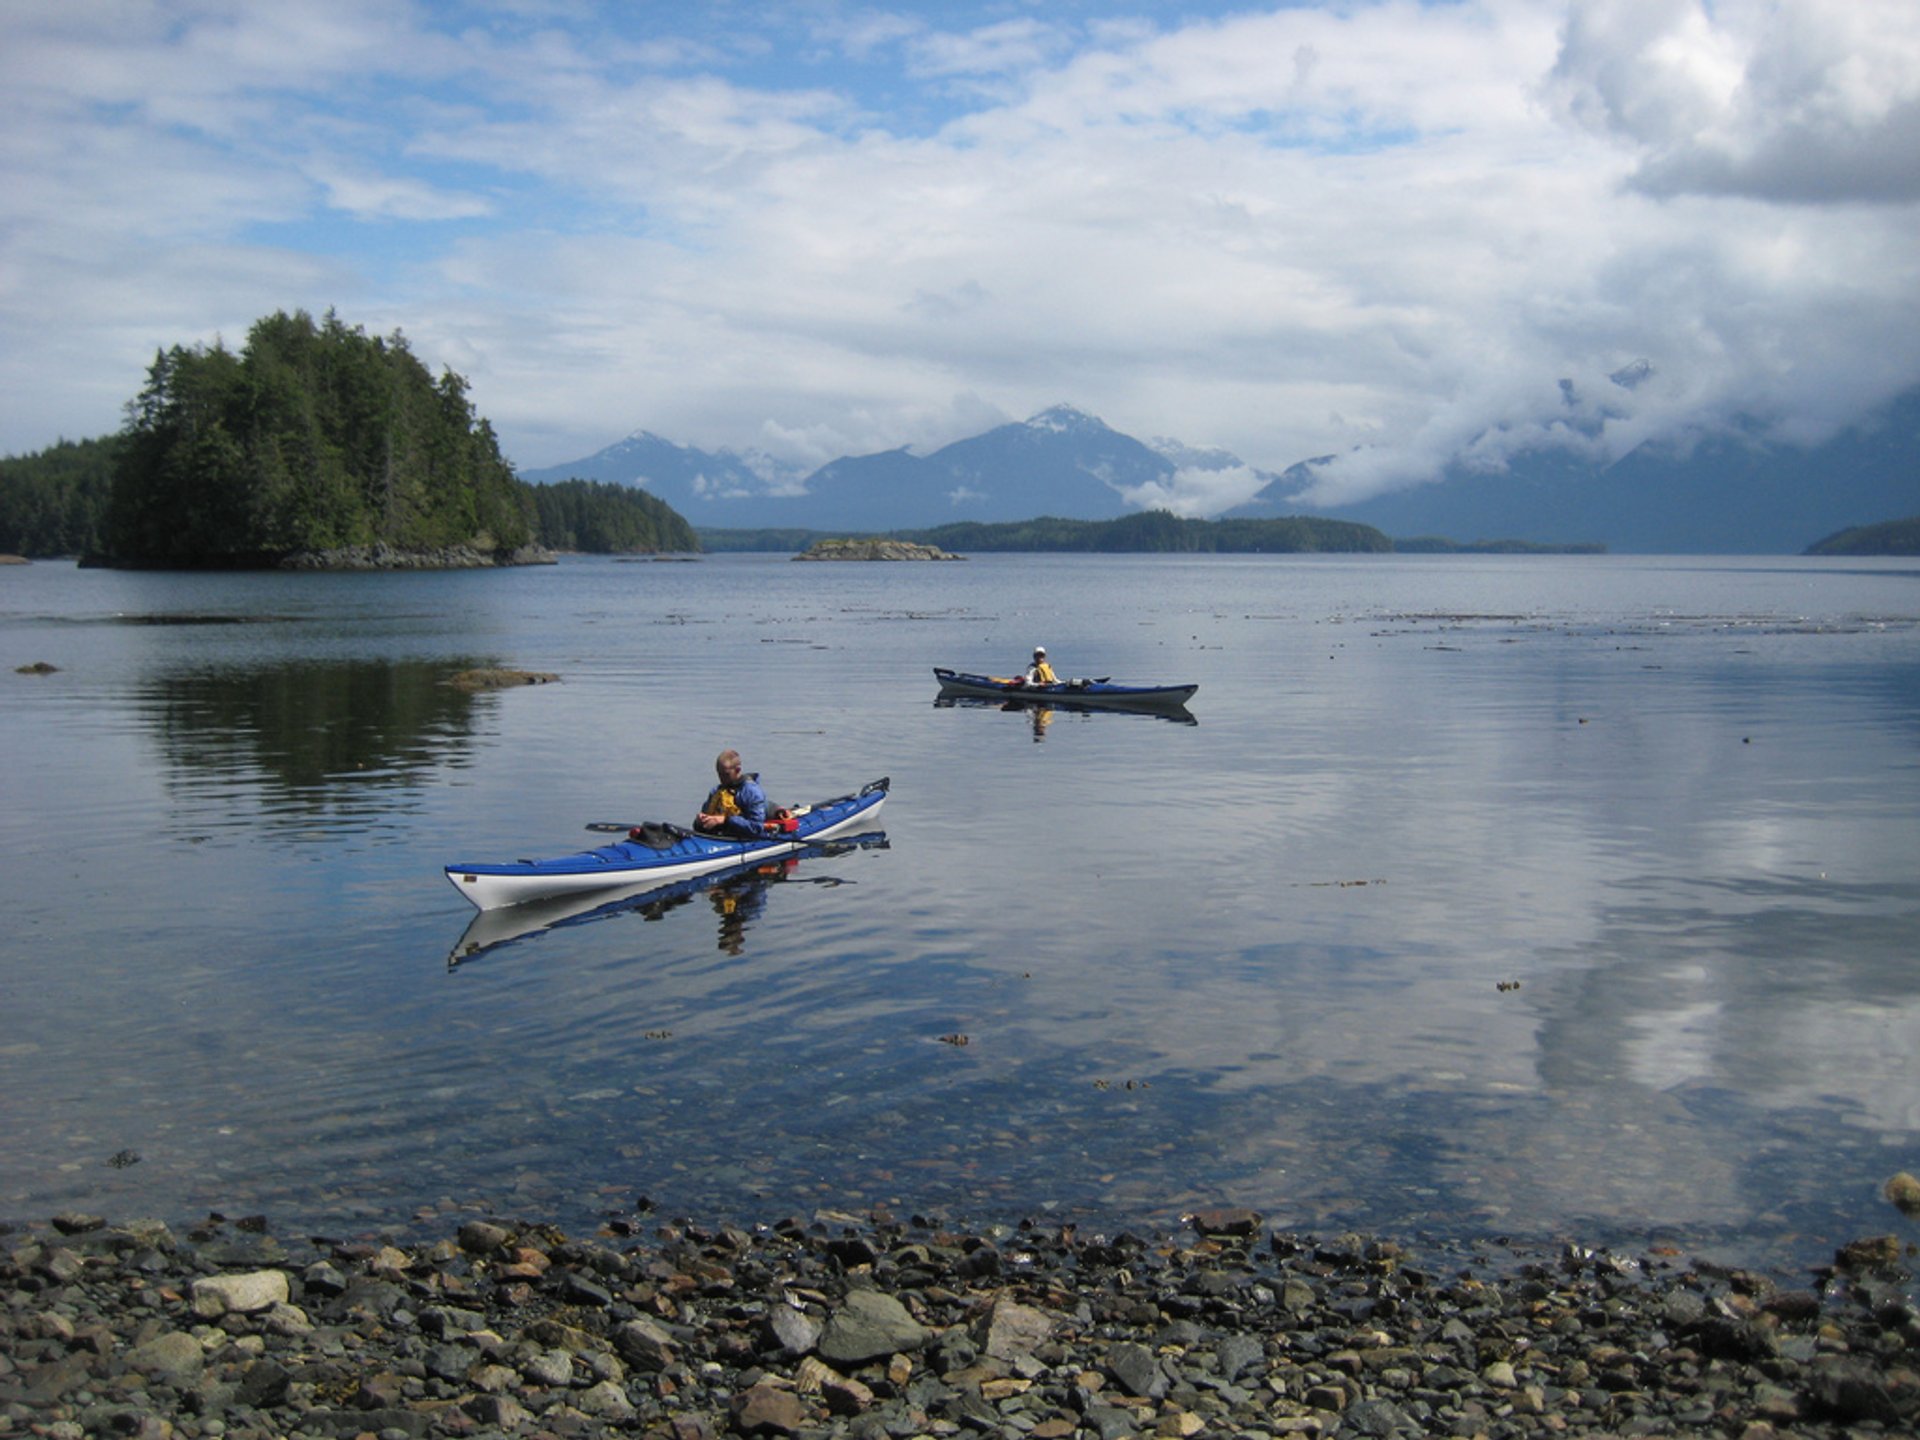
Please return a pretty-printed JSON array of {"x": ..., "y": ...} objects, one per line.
[{"x": 1392, "y": 232}]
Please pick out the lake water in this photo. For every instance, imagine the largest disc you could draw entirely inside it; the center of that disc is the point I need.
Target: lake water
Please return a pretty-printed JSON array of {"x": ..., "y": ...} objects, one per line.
[{"x": 1546, "y": 897}]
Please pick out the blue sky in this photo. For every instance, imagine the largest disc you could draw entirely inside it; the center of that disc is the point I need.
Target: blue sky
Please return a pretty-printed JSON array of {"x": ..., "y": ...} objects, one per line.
[{"x": 1384, "y": 231}]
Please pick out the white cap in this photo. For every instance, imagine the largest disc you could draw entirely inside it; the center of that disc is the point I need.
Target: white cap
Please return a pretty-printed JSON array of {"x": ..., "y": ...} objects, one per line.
[{"x": 1039, "y": 649}]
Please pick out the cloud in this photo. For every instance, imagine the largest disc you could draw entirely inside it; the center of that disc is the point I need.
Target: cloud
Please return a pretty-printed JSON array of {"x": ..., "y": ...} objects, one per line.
[
  {"x": 1794, "y": 102},
  {"x": 1379, "y": 231}
]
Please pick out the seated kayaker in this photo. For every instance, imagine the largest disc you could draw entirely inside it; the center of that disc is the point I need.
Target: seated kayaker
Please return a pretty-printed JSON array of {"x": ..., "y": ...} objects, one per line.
[
  {"x": 1040, "y": 672},
  {"x": 737, "y": 806}
]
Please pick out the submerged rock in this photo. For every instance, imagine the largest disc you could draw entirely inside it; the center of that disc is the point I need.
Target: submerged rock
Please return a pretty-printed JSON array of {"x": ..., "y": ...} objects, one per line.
[{"x": 497, "y": 679}]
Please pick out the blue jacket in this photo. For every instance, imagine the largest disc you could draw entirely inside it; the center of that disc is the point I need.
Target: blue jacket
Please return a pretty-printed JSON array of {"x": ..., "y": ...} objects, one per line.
[{"x": 751, "y": 803}]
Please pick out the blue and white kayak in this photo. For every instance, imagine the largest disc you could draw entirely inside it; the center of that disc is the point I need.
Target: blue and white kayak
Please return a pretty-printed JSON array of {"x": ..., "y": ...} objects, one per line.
[
  {"x": 742, "y": 886},
  {"x": 1082, "y": 692},
  {"x": 668, "y": 853}
]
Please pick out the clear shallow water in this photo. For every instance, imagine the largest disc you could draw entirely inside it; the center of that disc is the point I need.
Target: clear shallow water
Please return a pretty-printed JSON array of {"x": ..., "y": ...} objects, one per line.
[{"x": 1532, "y": 896}]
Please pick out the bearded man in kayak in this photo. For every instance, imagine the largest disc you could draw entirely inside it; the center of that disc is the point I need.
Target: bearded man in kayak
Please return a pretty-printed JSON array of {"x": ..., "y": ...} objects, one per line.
[
  {"x": 737, "y": 806},
  {"x": 1040, "y": 672}
]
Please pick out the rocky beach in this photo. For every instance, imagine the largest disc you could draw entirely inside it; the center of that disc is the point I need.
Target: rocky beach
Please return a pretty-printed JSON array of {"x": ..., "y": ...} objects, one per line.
[{"x": 882, "y": 1326}]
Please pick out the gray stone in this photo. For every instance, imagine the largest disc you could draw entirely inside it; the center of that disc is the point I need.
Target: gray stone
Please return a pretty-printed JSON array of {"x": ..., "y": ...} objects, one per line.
[
  {"x": 449, "y": 1362},
  {"x": 767, "y": 1410},
  {"x": 868, "y": 1326},
  {"x": 790, "y": 1332},
  {"x": 1010, "y": 1329},
  {"x": 644, "y": 1345},
  {"x": 501, "y": 1411},
  {"x": 550, "y": 1368},
  {"x": 480, "y": 1237},
  {"x": 1238, "y": 1354},
  {"x": 263, "y": 1383},
  {"x": 605, "y": 1401},
  {"x": 173, "y": 1355},
  {"x": 1137, "y": 1369}
]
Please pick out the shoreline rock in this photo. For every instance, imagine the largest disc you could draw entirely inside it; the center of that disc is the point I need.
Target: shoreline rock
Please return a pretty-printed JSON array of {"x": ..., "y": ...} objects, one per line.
[
  {"x": 874, "y": 549},
  {"x": 385, "y": 557},
  {"x": 873, "y": 1327},
  {"x": 351, "y": 557}
]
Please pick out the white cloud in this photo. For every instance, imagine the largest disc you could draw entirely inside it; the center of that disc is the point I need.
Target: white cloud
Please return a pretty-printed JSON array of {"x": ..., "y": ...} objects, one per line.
[{"x": 1383, "y": 232}]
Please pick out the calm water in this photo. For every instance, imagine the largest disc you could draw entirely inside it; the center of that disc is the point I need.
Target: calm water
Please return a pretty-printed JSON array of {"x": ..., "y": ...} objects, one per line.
[{"x": 1528, "y": 896}]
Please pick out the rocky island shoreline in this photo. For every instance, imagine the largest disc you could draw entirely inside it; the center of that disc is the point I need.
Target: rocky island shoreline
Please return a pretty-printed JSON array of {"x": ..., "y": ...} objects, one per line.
[{"x": 874, "y": 1326}]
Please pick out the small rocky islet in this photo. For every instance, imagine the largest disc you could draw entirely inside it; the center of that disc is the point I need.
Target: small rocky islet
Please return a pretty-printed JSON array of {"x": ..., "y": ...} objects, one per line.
[
  {"x": 867, "y": 548},
  {"x": 872, "y": 1326}
]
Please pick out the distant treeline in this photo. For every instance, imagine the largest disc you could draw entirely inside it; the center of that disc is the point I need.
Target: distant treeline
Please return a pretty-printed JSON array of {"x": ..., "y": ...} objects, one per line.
[
  {"x": 1891, "y": 537},
  {"x": 1159, "y": 532},
  {"x": 605, "y": 519},
  {"x": 314, "y": 438},
  {"x": 1434, "y": 545},
  {"x": 1150, "y": 532},
  {"x": 54, "y": 502}
]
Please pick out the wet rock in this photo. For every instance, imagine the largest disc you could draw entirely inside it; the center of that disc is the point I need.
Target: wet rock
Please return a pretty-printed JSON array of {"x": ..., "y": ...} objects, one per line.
[
  {"x": 481, "y": 1237},
  {"x": 1232, "y": 1221},
  {"x": 1879, "y": 1252},
  {"x": 1852, "y": 1393},
  {"x": 1903, "y": 1190}
]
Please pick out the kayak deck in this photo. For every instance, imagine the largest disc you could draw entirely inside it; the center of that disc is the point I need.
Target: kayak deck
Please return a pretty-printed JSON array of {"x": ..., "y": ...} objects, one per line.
[{"x": 489, "y": 885}]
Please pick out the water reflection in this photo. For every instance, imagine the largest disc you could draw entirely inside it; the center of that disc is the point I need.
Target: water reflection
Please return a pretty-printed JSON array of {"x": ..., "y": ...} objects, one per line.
[
  {"x": 1041, "y": 712},
  {"x": 306, "y": 738},
  {"x": 738, "y": 899}
]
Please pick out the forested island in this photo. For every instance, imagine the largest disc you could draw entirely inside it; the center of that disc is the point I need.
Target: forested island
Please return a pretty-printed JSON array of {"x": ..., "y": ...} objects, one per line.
[
  {"x": 1891, "y": 537},
  {"x": 1150, "y": 532},
  {"x": 315, "y": 444}
]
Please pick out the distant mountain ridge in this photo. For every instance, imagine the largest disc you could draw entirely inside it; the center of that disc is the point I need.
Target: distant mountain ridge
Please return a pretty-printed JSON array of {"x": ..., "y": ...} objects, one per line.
[
  {"x": 1721, "y": 496},
  {"x": 1060, "y": 462}
]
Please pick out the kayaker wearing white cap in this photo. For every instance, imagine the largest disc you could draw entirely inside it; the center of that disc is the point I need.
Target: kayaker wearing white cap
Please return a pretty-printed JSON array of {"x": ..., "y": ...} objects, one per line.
[{"x": 1040, "y": 673}]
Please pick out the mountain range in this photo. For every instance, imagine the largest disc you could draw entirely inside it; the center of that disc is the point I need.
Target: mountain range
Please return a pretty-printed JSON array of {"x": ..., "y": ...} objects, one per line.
[{"x": 1739, "y": 494}]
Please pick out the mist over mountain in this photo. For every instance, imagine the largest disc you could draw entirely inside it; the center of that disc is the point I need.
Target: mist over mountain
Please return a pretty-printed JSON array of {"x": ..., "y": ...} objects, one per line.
[{"x": 1735, "y": 493}]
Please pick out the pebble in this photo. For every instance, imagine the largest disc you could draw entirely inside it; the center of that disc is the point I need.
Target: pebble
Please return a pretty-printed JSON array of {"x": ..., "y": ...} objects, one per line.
[{"x": 872, "y": 1327}]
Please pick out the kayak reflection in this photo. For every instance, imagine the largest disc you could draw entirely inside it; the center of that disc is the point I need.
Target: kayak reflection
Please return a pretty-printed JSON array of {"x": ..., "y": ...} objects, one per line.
[
  {"x": 1042, "y": 712},
  {"x": 738, "y": 897}
]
